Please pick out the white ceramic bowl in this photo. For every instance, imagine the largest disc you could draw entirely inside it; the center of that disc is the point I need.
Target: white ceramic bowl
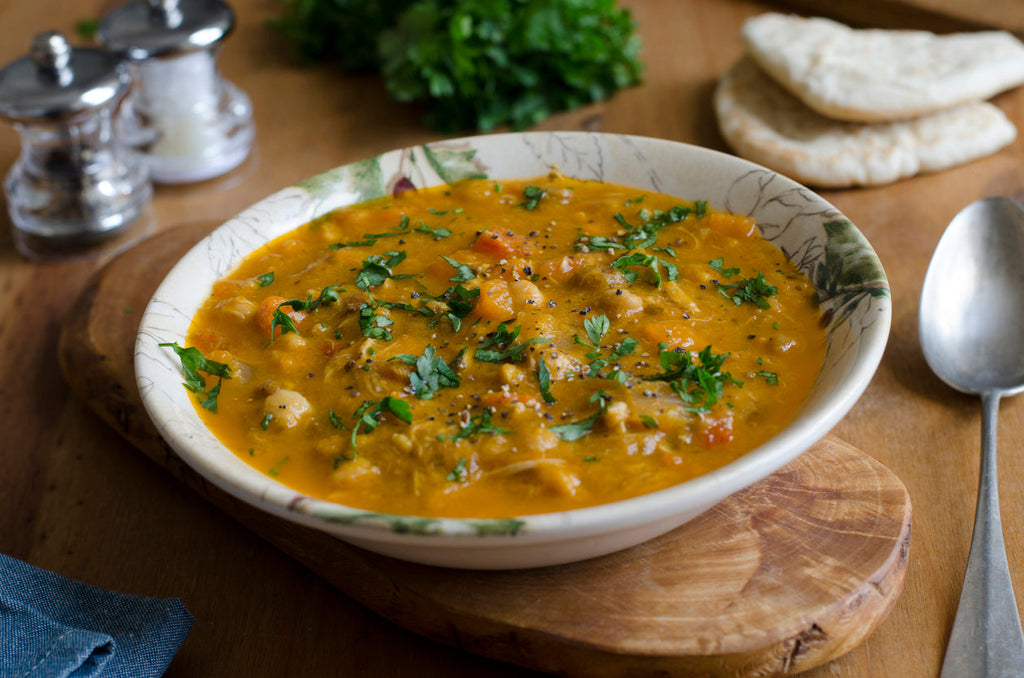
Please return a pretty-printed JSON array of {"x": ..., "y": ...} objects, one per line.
[{"x": 849, "y": 279}]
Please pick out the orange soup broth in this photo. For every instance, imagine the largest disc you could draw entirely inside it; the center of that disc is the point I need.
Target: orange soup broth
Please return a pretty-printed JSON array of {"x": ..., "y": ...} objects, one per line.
[{"x": 557, "y": 307}]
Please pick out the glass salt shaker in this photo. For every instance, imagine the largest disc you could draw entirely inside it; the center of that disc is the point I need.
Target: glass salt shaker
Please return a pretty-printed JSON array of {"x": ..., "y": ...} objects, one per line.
[
  {"x": 189, "y": 123},
  {"x": 72, "y": 185}
]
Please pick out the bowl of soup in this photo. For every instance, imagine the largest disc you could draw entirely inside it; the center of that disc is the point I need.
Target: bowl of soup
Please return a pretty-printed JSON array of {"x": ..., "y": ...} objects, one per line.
[{"x": 513, "y": 350}]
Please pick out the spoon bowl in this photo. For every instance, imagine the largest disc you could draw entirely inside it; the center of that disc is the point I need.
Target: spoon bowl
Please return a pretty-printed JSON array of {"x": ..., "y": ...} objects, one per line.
[
  {"x": 971, "y": 326},
  {"x": 972, "y": 303}
]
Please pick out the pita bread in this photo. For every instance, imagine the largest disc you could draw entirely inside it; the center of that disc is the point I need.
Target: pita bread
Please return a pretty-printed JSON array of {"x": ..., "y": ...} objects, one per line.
[
  {"x": 874, "y": 75},
  {"x": 764, "y": 123}
]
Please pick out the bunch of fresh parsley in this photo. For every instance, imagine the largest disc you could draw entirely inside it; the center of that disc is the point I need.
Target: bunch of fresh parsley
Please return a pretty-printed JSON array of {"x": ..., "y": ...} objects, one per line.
[{"x": 475, "y": 64}]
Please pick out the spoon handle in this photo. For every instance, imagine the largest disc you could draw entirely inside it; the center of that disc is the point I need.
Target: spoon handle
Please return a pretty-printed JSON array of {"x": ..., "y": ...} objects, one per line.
[{"x": 987, "y": 639}]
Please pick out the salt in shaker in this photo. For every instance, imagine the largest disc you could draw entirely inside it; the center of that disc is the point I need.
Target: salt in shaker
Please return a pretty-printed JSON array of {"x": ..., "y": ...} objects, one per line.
[
  {"x": 189, "y": 123},
  {"x": 73, "y": 185}
]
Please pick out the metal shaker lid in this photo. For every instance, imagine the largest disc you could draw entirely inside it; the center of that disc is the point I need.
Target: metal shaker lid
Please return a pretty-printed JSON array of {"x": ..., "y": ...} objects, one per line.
[
  {"x": 58, "y": 81},
  {"x": 142, "y": 29}
]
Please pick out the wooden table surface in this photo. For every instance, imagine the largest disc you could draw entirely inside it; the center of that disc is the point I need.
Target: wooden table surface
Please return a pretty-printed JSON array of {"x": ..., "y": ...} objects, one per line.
[{"x": 75, "y": 498}]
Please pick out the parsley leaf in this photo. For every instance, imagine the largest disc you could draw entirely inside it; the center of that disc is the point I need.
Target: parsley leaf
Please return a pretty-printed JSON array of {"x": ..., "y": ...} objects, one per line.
[
  {"x": 463, "y": 273},
  {"x": 281, "y": 319},
  {"x": 647, "y": 261},
  {"x": 378, "y": 268},
  {"x": 753, "y": 290},
  {"x": 645, "y": 234},
  {"x": 336, "y": 422},
  {"x": 717, "y": 263},
  {"x": 367, "y": 415},
  {"x": 459, "y": 473},
  {"x": 403, "y": 229},
  {"x": 432, "y": 373},
  {"x": 533, "y": 195},
  {"x": 597, "y": 243},
  {"x": 479, "y": 423},
  {"x": 374, "y": 325},
  {"x": 577, "y": 430},
  {"x": 504, "y": 340},
  {"x": 192, "y": 363},
  {"x": 699, "y": 386},
  {"x": 596, "y": 327},
  {"x": 473, "y": 64},
  {"x": 459, "y": 301},
  {"x": 265, "y": 279},
  {"x": 544, "y": 379}
]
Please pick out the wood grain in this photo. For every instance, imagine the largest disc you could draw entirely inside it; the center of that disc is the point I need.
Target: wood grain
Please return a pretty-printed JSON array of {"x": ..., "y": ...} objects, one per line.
[
  {"x": 79, "y": 499},
  {"x": 784, "y": 576}
]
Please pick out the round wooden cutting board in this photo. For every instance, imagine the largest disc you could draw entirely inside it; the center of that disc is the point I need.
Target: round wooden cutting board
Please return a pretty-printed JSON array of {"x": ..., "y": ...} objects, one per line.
[{"x": 781, "y": 577}]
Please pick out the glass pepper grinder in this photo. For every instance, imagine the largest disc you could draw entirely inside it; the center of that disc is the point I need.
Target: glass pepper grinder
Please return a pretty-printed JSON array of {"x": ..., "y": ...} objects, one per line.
[
  {"x": 73, "y": 184},
  {"x": 189, "y": 123}
]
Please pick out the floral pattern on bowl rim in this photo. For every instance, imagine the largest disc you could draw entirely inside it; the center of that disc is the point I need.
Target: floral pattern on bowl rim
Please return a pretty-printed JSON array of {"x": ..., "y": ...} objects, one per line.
[{"x": 849, "y": 279}]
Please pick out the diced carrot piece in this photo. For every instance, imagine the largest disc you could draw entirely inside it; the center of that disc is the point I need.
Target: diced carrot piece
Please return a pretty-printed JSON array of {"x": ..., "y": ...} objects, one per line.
[
  {"x": 560, "y": 269},
  {"x": 206, "y": 339},
  {"x": 670, "y": 332},
  {"x": 495, "y": 301},
  {"x": 265, "y": 316},
  {"x": 500, "y": 243},
  {"x": 716, "y": 429}
]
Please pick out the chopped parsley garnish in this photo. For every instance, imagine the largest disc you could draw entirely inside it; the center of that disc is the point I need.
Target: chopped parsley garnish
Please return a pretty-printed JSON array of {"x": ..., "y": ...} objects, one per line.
[
  {"x": 336, "y": 422},
  {"x": 717, "y": 265},
  {"x": 598, "y": 243},
  {"x": 645, "y": 234},
  {"x": 367, "y": 415},
  {"x": 596, "y": 327},
  {"x": 459, "y": 301},
  {"x": 192, "y": 363},
  {"x": 354, "y": 243},
  {"x": 645, "y": 261},
  {"x": 281, "y": 319},
  {"x": 374, "y": 325},
  {"x": 378, "y": 268},
  {"x": 648, "y": 421},
  {"x": 277, "y": 467},
  {"x": 403, "y": 229},
  {"x": 265, "y": 279},
  {"x": 533, "y": 195},
  {"x": 699, "y": 386},
  {"x": 544, "y": 380},
  {"x": 432, "y": 373},
  {"x": 577, "y": 430},
  {"x": 265, "y": 421},
  {"x": 459, "y": 473},
  {"x": 463, "y": 273},
  {"x": 700, "y": 208},
  {"x": 504, "y": 341},
  {"x": 769, "y": 377},
  {"x": 479, "y": 423},
  {"x": 752, "y": 290}
]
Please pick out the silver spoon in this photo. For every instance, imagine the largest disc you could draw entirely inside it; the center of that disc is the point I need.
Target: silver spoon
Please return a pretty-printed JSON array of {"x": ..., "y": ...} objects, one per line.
[{"x": 971, "y": 325}]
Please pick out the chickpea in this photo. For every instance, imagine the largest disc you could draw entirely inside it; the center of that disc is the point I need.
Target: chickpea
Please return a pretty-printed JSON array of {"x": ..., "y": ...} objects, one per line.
[{"x": 288, "y": 408}]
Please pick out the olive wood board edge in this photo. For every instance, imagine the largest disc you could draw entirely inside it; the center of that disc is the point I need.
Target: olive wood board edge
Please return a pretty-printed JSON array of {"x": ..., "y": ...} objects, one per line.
[{"x": 786, "y": 575}]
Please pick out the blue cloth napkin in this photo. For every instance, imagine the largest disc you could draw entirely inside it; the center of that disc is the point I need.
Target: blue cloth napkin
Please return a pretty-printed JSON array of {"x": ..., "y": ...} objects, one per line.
[{"x": 52, "y": 627}]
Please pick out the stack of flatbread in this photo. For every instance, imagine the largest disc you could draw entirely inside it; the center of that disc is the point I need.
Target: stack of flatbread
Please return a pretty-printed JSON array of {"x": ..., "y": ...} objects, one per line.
[{"x": 833, "y": 106}]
